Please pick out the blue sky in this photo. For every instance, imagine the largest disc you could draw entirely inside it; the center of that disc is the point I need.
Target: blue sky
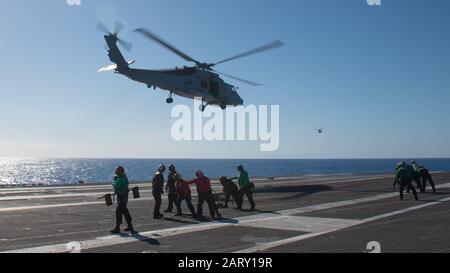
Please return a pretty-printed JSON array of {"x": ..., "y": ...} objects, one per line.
[{"x": 376, "y": 78}]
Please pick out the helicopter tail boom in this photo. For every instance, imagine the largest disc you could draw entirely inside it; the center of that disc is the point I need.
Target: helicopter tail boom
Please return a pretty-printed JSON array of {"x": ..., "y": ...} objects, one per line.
[{"x": 115, "y": 55}]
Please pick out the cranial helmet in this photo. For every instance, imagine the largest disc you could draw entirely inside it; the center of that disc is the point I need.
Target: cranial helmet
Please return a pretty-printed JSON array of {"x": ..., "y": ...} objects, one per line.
[
  {"x": 223, "y": 179},
  {"x": 161, "y": 167},
  {"x": 198, "y": 173},
  {"x": 120, "y": 170}
]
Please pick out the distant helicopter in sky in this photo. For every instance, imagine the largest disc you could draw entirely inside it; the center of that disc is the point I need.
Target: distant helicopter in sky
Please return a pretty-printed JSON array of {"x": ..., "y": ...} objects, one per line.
[
  {"x": 200, "y": 80},
  {"x": 320, "y": 131}
]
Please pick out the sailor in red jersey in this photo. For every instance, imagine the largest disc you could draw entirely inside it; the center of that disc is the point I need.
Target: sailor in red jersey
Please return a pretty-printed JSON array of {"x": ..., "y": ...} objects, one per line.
[
  {"x": 183, "y": 193},
  {"x": 204, "y": 191}
]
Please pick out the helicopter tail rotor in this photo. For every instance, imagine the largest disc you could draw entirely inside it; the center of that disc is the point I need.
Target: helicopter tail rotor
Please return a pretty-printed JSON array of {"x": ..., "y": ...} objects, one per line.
[{"x": 118, "y": 28}]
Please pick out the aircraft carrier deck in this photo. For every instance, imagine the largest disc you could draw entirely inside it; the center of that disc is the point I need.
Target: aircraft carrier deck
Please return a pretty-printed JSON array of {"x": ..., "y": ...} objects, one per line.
[{"x": 322, "y": 213}]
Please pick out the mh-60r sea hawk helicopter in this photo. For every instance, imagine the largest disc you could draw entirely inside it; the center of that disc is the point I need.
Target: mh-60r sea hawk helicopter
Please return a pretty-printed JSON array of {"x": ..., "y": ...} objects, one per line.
[{"x": 200, "y": 80}]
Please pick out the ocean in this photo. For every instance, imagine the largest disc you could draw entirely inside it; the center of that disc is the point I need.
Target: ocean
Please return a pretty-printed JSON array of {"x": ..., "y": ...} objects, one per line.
[{"x": 71, "y": 171}]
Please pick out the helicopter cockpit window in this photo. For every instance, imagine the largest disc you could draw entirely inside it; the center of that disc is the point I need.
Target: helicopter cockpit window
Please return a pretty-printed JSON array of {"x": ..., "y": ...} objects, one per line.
[{"x": 204, "y": 84}]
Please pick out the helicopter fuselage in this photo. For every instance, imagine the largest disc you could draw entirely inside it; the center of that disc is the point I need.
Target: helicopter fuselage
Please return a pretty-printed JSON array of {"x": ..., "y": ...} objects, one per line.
[{"x": 188, "y": 82}]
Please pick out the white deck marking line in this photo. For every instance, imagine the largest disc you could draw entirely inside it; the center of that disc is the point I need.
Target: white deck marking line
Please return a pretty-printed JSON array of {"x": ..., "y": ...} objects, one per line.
[
  {"x": 326, "y": 206},
  {"x": 258, "y": 218},
  {"x": 117, "y": 240},
  {"x": 108, "y": 186},
  {"x": 155, "y": 234},
  {"x": 58, "y": 195},
  {"x": 267, "y": 246},
  {"x": 85, "y": 203},
  {"x": 318, "y": 178},
  {"x": 216, "y": 187},
  {"x": 77, "y": 204},
  {"x": 91, "y": 187},
  {"x": 295, "y": 211},
  {"x": 302, "y": 223}
]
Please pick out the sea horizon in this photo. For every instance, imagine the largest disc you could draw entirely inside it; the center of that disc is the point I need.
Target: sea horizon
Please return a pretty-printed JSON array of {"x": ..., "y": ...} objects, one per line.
[{"x": 57, "y": 171}]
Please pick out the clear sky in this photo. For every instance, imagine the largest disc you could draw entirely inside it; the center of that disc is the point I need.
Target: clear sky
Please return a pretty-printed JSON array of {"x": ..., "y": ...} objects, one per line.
[{"x": 375, "y": 78}]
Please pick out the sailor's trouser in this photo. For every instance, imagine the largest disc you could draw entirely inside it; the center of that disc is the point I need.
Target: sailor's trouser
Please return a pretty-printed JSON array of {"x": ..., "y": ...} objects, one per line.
[
  {"x": 247, "y": 191},
  {"x": 407, "y": 184},
  {"x": 122, "y": 209}
]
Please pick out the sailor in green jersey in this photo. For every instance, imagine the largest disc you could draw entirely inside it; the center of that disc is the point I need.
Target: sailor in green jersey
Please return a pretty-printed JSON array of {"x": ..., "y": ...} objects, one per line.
[
  {"x": 426, "y": 176},
  {"x": 245, "y": 188},
  {"x": 404, "y": 178},
  {"x": 120, "y": 185},
  {"x": 415, "y": 176}
]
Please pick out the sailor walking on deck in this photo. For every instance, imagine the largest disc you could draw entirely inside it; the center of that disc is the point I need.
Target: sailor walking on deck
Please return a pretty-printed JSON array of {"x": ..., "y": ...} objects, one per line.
[
  {"x": 426, "y": 176},
  {"x": 229, "y": 190},
  {"x": 403, "y": 178},
  {"x": 183, "y": 193},
  {"x": 415, "y": 174},
  {"x": 121, "y": 190},
  {"x": 245, "y": 188},
  {"x": 171, "y": 188},
  {"x": 157, "y": 190},
  {"x": 205, "y": 194}
]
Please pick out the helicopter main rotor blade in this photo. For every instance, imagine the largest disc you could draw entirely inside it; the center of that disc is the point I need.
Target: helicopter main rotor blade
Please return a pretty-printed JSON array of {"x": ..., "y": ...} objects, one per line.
[
  {"x": 272, "y": 45},
  {"x": 102, "y": 28},
  {"x": 238, "y": 79},
  {"x": 118, "y": 27},
  {"x": 126, "y": 45},
  {"x": 153, "y": 37}
]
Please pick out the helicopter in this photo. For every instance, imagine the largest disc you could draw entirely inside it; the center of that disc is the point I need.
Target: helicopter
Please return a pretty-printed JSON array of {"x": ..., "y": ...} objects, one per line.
[
  {"x": 200, "y": 80},
  {"x": 320, "y": 130}
]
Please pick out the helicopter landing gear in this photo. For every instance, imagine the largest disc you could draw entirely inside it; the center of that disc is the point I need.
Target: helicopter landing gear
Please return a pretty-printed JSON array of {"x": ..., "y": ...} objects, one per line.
[
  {"x": 169, "y": 100},
  {"x": 223, "y": 106},
  {"x": 202, "y": 107}
]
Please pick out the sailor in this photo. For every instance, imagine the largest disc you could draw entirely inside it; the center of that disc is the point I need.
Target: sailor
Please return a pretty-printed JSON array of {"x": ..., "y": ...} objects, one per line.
[
  {"x": 205, "y": 194},
  {"x": 230, "y": 189},
  {"x": 415, "y": 176},
  {"x": 404, "y": 178},
  {"x": 171, "y": 188},
  {"x": 183, "y": 193},
  {"x": 157, "y": 190},
  {"x": 245, "y": 188},
  {"x": 426, "y": 176},
  {"x": 120, "y": 185}
]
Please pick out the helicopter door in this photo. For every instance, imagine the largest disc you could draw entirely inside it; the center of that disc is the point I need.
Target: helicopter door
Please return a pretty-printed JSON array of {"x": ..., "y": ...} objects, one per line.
[{"x": 214, "y": 88}]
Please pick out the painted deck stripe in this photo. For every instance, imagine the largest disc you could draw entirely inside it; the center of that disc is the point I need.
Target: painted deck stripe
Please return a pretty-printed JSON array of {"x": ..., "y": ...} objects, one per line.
[
  {"x": 319, "y": 178},
  {"x": 293, "y": 211},
  {"x": 148, "y": 184},
  {"x": 267, "y": 246},
  {"x": 215, "y": 187},
  {"x": 254, "y": 220}
]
